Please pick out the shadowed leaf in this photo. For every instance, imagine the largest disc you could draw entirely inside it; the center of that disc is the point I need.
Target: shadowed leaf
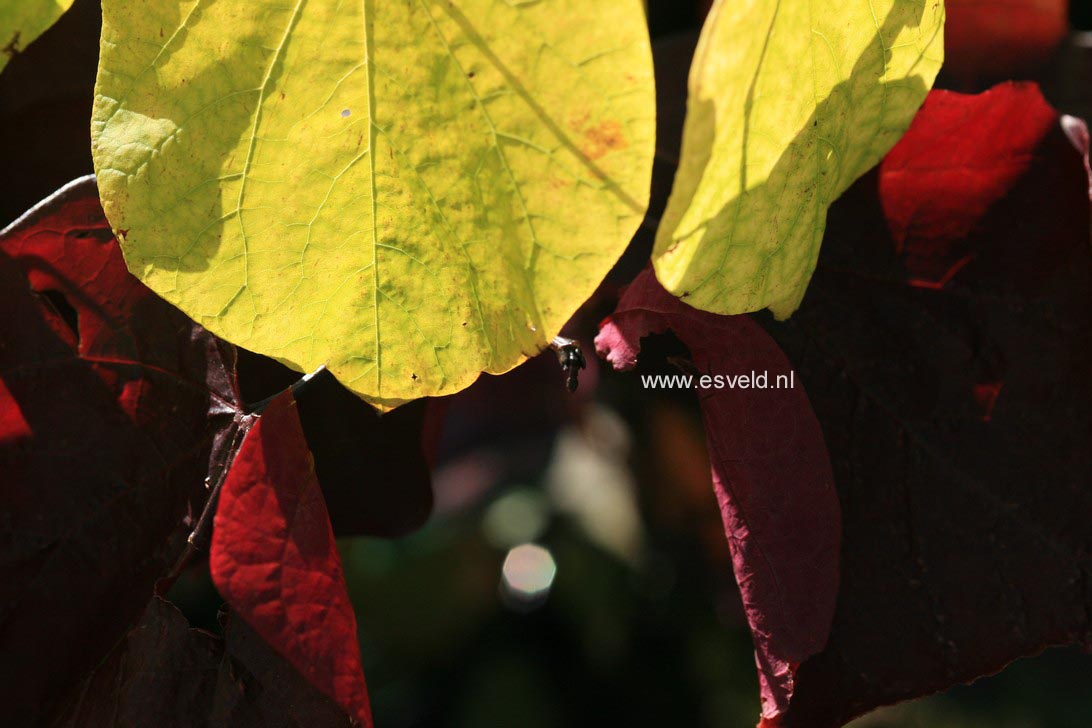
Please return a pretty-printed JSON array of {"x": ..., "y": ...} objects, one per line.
[
  {"x": 770, "y": 471},
  {"x": 112, "y": 406},
  {"x": 165, "y": 673},
  {"x": 946, "y": 347},
  {"x": 375, "y": 471}
]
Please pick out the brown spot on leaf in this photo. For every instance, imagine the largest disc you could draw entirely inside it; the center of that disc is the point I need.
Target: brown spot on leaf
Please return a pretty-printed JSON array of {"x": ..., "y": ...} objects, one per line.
[{"x": 602, "y": 138}]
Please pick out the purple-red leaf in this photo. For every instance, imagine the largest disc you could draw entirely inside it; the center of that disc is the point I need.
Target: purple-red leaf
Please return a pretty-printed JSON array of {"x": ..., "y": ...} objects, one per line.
[
  {"x": 111, "y": 406},
  {"x": 946, "y": 346},
  {"x": 771, "y": 473},
  {"x": 275, "y": 561}
]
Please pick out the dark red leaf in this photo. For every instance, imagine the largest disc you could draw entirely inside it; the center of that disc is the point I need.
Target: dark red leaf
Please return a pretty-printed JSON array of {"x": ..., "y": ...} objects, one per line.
[
  {"x": 937, "y": 187},
  {"x": 996, "y": 39},
  {"x": 770, "y": 471},
  {"x": 958, "y": 414},
  {"x": 165, "y": 673},
  {"x": 111, "y": 406},
  {"x": 275, "y": 561}
]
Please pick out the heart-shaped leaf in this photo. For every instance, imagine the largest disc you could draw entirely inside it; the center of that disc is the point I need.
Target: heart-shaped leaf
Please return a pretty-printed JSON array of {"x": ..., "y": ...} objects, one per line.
[{"x": 410, "y": 193}]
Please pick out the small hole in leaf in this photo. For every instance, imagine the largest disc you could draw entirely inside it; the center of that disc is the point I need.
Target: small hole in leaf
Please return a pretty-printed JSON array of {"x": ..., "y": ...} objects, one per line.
[
  {"x": 345, "y": 113},
  {"x": 59, "y": 303}
]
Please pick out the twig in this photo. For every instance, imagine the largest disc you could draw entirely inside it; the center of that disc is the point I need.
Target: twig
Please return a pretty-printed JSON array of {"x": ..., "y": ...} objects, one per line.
[
  {"x": 201, "y": 536},
  {"x": 296, "y": 388},
  {"x": 570, "y": 358}
]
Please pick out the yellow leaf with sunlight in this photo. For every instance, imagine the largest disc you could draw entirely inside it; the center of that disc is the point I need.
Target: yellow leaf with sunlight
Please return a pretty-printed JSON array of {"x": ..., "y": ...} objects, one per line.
[{"x": 408, "y": 192}]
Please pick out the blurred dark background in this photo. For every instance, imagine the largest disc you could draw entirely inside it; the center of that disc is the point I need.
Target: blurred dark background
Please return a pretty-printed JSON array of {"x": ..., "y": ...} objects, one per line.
[{"x": 574, "y": 571}]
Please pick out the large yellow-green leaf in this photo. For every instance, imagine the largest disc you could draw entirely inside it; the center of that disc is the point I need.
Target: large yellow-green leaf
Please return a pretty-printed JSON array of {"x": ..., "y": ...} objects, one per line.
[
  {"x": 21, "y": 21},
  {"x": 790, "y": 102},
  {"x": 408, "y": 191}
]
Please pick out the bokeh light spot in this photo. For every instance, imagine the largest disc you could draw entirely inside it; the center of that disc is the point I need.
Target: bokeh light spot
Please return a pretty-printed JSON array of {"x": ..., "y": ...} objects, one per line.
[{"x": 527, "y": 575}]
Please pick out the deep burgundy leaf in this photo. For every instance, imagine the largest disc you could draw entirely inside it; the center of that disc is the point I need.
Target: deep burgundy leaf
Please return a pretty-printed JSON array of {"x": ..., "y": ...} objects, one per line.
[
  {"x": 949, "y": 365},
  {"x": 111, "y": 406},
  {"x": 275, "y": 561},
  {"x": 771, "y": 473},
  {"x": 166, "y": 674}
]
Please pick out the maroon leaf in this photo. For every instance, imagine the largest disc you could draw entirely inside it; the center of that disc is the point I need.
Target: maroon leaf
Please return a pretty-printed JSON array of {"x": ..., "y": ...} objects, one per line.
[
  {"x": 165, "y": 673},
  {"x": 275, "y": 561},
  {"x": 770, "y": 471},
  {"x": 958, "y": 412},
  {"x": 111, "y": 406}
]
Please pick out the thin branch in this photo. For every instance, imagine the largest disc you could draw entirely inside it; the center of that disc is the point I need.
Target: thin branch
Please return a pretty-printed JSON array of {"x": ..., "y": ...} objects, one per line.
[
  {"x": 298, "y": 386},
  {"x": 571, "y": 359},
  {"x": 200, "y": 537}
]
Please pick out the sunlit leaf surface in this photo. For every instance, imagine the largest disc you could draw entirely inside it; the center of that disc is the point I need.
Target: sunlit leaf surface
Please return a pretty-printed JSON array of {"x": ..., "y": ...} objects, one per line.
[
  {"x": 790, "y": 102},
  {"x": 408, "y": 192}
]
